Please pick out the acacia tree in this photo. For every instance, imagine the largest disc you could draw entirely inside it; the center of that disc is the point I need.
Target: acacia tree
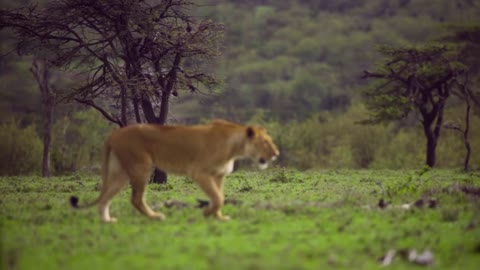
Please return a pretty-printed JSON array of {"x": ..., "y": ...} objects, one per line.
[
  {"x": 130, "y": 56},
  {"x": 414, "y": 79}
]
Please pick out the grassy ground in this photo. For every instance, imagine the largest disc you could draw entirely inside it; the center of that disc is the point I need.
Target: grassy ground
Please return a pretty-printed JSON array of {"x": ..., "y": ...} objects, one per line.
[{"x": 281, "y": 220}]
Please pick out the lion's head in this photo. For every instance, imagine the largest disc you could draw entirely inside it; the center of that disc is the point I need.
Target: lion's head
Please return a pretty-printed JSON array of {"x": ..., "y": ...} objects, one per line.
[{"x": 260, "y": 147}]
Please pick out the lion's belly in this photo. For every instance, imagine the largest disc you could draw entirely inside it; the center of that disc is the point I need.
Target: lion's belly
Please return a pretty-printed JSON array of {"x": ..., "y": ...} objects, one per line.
[
  {"x": 189, "y": 168},
  {"x": 178, "y": 168}
]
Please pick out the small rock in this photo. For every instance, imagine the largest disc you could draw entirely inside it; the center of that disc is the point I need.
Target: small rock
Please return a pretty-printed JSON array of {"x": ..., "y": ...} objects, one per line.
[
  {"x": 477, "y": 248},
  {"x": 202, "y": 203},
  {"x": 332, "y": 259},
  {"x": 412, "y": 255},
  {"x": 419, "y": 203},
  {"x": 424, "y": 258},
  {"x": 382, "y": 203},
  {"x": 388, "y": 258},
  {"x": 432, "y": 203},
  {"x": 174, "y": 203}
]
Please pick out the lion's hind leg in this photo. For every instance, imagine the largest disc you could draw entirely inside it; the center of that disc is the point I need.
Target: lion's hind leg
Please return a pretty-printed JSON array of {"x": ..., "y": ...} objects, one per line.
[
  {"x": 139, "y": 180},
  {"x": 115, "y": 179},
  {"x": 117, "y": 182}
]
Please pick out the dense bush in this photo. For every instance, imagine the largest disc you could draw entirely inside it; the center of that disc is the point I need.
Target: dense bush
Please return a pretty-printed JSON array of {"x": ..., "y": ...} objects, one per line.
[
  {"x": 78, "y": 142},
  {"x": 20, "y": 149}
]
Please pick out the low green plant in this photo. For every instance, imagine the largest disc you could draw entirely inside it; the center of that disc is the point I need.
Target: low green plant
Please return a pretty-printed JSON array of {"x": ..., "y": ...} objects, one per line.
[
  {"x": 20, "y": 149},
  {"x": 78, "y": 142},
  {"x": 281, "y": 176}
]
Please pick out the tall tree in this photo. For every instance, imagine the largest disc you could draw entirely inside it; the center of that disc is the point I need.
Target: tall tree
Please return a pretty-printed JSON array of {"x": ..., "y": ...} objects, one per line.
[
  {"x": 418, "y": 79},
  {"x": 131, "y": 56}
]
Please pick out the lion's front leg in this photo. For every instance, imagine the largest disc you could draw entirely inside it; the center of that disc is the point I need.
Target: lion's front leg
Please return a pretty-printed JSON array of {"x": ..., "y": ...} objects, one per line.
[
  {"x": 219, "y": 182},
  {"x": 209, "y": 185}
]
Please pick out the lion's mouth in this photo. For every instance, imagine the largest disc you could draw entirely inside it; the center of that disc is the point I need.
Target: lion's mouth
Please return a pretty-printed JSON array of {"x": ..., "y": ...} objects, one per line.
[{"x": 262, "y": 163}]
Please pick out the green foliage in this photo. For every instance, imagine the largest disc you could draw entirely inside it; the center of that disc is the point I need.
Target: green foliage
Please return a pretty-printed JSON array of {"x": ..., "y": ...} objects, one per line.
[
  {"x": 406, "y": 149},
  {"x": 385, "y": 107},
  {"x": 364, "y": 144},
  {"x": 20, "y": 149},
  {"x": 78, "y": 141},
  {"x": 316, "y": 220},
  {"x": 161, "y": 187},
  {"x": 413, "y": 29}
]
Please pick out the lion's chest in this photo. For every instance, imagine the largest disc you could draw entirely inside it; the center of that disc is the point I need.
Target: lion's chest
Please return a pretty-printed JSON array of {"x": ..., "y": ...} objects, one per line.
[{"x": 226, "y": 169}]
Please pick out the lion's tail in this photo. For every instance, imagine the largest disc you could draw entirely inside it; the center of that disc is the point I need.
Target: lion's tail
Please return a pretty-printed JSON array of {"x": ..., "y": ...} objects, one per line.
[{"x": 105, "y": 160}]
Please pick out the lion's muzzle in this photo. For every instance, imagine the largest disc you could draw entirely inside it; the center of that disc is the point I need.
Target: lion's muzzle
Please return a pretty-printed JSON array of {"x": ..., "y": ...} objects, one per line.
[{"x": 263, "y": 162}]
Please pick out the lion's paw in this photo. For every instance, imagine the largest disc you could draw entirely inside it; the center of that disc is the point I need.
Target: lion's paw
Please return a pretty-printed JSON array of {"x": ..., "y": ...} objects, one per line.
[
  {"x": 224, "y": 218},
  {"x": 158, "y": 216},
  {"x": 110, "y": 220}
]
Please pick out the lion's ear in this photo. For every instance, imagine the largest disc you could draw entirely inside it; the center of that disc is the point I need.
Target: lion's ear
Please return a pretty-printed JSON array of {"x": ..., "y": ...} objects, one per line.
[{"x": 250, "y": 132}]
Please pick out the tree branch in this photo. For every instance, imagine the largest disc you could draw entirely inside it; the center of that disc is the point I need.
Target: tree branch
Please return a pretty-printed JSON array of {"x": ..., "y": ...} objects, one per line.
[{"x": 101, "y": 110}]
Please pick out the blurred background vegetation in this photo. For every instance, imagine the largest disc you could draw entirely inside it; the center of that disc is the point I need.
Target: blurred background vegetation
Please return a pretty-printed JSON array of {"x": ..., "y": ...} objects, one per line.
[{"x": 294, "y": 66}]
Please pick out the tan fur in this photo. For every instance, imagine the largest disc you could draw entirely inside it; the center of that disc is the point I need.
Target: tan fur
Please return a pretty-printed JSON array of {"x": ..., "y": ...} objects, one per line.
[{"x": 205, "y": 153}]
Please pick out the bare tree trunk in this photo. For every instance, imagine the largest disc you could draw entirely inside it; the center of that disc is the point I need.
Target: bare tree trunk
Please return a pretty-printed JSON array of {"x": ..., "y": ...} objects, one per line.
[
  {"x": 432, "y": 124},
  {"x": 123, "y": 109},
  {"x": 160, "y": 176},
  {"x": 41, "y": 71},
  {"x": 431, "y": 137},
  {"x": 148, "y": 112},
  {"x": 465, "y": 135},
  {"x": 162, "y": 118},
  {"x": 431, "y": 150},
  {"x": 49, "y": 112},
  {"x": 136, "y": 108}
]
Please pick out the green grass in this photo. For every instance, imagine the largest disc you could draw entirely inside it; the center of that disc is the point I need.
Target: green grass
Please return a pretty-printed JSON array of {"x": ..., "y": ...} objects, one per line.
[{"x": 281, "y": 220}]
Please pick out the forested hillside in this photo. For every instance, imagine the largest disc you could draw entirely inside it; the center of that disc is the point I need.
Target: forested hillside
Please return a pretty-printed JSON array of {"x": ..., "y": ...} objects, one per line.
[
  {"x": 294, "y": 66},
  {"x": 294, "y": 58}
]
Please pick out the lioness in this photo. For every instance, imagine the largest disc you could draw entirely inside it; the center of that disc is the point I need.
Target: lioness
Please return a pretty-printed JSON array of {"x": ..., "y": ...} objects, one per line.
[{"x": 205, "y": 153}]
